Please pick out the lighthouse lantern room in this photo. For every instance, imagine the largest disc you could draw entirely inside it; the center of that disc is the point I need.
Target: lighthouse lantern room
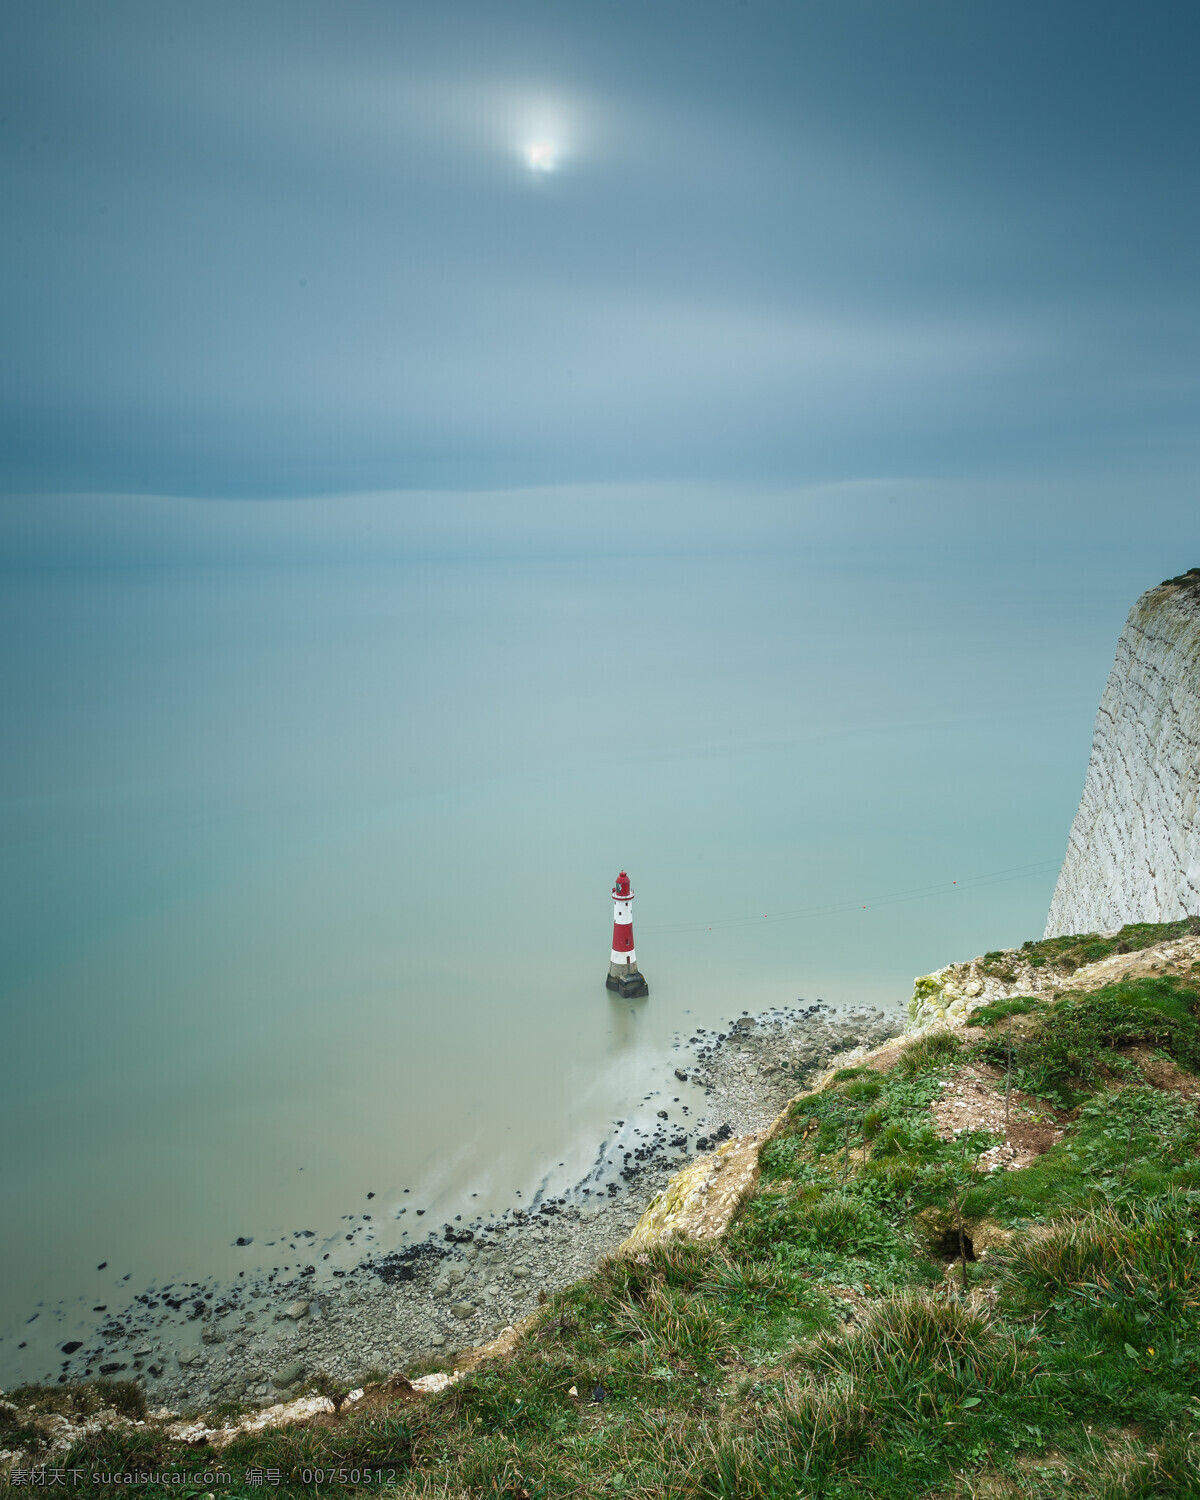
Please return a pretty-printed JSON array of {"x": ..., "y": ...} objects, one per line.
[{"x": 623, "y": 974}]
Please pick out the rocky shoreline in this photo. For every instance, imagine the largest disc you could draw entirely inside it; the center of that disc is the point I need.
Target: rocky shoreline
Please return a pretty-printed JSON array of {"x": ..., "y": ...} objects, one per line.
[{"x": 259, "y": 1341}]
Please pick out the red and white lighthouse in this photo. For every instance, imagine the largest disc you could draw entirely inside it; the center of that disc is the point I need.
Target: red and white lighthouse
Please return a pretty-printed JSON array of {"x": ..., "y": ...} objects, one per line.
[{"x": 623, "y": 975}]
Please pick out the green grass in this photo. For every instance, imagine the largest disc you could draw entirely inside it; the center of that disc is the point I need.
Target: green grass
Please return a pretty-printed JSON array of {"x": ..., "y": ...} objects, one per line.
[
  {"x": 1074, "y": 952},
  {"x": 1000, "y": 1010},
  {"x": 818, "y": 1350},
  {"x": 933, "y": 1049},
  {"x": 843, "y": 1075},
  {"x": 1076, "y": 1048}
]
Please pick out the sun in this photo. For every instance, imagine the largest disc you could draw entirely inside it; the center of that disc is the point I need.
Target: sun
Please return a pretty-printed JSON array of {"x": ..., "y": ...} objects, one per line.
[{"x": 540, "y": 156}]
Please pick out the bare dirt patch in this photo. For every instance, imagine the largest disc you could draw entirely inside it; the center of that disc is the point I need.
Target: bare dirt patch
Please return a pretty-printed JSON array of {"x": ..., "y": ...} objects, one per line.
[
  {"x": 883, "y": 1059},
  {"x": 973, "y": 1099},
  {"x": 1163, "y": 1072}
]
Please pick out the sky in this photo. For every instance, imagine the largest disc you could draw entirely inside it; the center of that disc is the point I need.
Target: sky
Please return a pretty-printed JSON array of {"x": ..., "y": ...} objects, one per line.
[{"x": 292, "y": 250}]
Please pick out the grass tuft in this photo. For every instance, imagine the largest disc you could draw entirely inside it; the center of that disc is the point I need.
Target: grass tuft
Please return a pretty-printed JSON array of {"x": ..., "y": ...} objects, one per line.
[
  {"x": 679, "y": 1326},
  {"x": 933, "y": 1050},
  {"x": 1143, "y": 1264},
  {"x": 797, "y": 1435},
  {"x": 911, "y": 1338}
]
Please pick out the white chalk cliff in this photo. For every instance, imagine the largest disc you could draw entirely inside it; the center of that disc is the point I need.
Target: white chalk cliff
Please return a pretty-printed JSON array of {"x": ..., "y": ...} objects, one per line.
[{"x": 1134, "y": 850}]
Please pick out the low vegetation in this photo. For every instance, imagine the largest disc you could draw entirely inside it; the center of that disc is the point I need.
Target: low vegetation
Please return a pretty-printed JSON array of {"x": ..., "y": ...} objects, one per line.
[
  {"x": 884, "y": 1318},
  {"x": 1001, "y": 1010},
  {"x": 78, "y": 1402},
  {"x": 1068, "y": 954}
]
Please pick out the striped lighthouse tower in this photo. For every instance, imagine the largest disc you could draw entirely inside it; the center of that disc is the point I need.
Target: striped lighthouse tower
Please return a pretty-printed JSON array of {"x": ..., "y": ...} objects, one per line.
[{"x": 623, "y": 975}]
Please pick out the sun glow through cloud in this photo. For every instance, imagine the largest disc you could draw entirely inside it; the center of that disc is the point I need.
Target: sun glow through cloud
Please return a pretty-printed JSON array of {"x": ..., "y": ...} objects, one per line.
[{"x": 541, "y": 156}]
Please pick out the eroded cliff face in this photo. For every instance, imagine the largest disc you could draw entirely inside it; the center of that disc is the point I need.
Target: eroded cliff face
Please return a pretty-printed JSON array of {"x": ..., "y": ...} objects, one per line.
[{"x": 1134, "y": 850}]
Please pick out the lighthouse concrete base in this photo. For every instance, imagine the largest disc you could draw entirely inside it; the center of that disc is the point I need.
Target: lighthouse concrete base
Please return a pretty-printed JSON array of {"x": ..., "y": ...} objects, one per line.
[{"x": 627, "y": 981}]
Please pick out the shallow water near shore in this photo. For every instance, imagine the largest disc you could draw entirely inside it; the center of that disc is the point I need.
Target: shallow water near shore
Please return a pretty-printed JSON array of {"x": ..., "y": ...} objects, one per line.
[
  {"x": 306, "y": 887},
  {"x": 346, "y": 1305}
]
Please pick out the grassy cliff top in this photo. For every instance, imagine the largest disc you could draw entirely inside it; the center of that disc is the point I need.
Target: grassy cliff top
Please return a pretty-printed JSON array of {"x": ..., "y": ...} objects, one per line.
[
  {"x": 1076, "y": 952},
  {"x": 970, "y": 1267}
]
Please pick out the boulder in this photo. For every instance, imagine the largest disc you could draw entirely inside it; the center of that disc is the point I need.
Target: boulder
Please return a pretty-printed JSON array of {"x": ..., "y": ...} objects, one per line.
[{"x": 700, "y": 1201}]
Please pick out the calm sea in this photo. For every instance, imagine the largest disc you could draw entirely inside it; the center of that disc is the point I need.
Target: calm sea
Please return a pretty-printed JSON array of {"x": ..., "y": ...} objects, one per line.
[{"x": 306, "y": 864}]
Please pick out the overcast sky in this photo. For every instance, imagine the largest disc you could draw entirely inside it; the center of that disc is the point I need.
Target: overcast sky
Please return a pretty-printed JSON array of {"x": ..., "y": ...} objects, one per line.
[{"x": 267, "y": 249}]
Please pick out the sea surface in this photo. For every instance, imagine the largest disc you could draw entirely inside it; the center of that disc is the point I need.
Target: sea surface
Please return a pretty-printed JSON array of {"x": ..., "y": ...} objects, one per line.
[{"x": 306, "y": 862}]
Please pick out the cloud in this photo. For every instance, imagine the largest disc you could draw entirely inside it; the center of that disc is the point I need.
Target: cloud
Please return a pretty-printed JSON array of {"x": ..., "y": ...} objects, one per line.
[
  {"x": 860, "y": 525},
  {"x": 272, "y": 250}
]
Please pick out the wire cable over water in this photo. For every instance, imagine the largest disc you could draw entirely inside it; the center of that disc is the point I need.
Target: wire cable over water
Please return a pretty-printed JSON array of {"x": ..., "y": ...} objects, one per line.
[{"x": 916, "y": 893}]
